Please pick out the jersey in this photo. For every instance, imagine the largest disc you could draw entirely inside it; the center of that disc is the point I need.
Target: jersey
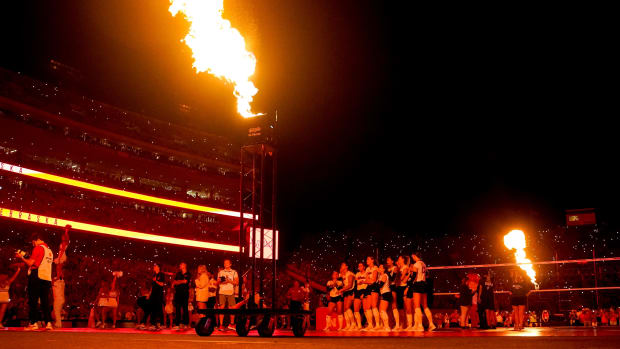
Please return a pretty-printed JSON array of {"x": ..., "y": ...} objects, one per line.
[
  {"x": 392, "y": 274},
  {"x": 404, "y": 270},
  {"x": 334, "y": 288},
  {"x": 384, "y": 282},
  {"x": 420, "y": 269},
  {"x": 345, "y": 279},
  {"x": 360, "y": 278},
  {"x": 370, "y": 271}
]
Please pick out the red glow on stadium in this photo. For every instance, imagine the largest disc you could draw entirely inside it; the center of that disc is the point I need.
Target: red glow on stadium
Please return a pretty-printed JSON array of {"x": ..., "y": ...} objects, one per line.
[
  {"x": 92, "y": 228},
  {"x": 117, "y": 192}
]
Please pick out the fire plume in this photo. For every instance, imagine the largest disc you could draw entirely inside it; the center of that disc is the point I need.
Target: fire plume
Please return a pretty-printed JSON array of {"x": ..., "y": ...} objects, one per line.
[
  {"x": 218, "y": 48},
  {"x": 515, "y": 240}
]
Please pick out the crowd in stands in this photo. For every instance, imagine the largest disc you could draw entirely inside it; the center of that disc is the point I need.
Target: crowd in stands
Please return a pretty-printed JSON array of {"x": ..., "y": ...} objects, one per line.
[
  {"x": 56, "y": 100},
  {"x": 47, "y": 199},
  {"x": 83, "y": 159}
]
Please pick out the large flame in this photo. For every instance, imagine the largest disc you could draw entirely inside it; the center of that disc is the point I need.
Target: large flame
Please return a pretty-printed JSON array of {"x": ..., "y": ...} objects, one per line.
[
  {"x": 516, "y": 240},
  {"x": 218, "y": 48}
]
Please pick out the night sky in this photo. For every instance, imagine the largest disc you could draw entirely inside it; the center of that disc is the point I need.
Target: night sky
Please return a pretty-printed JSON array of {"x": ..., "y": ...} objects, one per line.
[{"x": 418, "y": 119}]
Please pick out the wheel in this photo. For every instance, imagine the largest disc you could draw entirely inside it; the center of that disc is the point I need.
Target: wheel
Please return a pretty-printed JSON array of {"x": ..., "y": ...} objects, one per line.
[
  {"x": 243, "y": 325},
  {"x": 266, "y": 326},
  {"x": 205, "y": 326},
  {"x": 299, "y": 323}
]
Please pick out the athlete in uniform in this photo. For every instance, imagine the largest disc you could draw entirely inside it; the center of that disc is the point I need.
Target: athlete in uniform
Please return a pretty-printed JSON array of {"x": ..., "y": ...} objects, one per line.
[
  {"x": 386, "y": 297},
  {"x": 371, "y": 302},
  {"x": 348, "y": 279},
  {"x": 401, "y": 286},
  {"x": 335, "y": 301},
  {"x": 420, "y": 295},
  {"x": 359, "y": 294},
  {"x": 408, "y": 278},
  {"x": 393, "y": 273}
]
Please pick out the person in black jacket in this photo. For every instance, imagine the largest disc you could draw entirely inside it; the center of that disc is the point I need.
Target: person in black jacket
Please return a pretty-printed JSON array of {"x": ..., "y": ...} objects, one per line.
[
  {"x": 519, "y": 288},
  {"x": 156, "y": 299},
  {"x": 486, "y": 305},
  {"x": 181, "y": 284},
  {"x": 465, "y": 296}
]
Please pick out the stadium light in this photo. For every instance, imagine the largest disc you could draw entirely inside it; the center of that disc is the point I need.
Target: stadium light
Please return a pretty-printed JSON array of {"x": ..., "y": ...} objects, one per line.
[
  {"x": 112, "y": 191},
  {"x": 87, "y": 227}
]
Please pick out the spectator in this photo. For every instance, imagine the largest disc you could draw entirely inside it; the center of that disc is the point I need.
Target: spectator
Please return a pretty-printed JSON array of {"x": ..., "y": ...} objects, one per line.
[
  {"x": 156, "y": 298},
  {"x": 107, "y": 301},
  {"x": 181, "y": 283},
  {"x": 58, "y": 290},
  {"x": 465, "y": 301},
  {"x": 202, "y": 287},
  {"x": 169, "y": 308},
  {"x": 227, "y": 280},
  {"x": 5, "y": 285}
]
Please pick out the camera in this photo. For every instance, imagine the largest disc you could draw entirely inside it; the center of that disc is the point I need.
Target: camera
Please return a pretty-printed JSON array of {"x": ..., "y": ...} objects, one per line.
[
  {"x": 21, "y": 253},
  {"x": 222, "y": 278},
  {"x": 118, "y": 274}
]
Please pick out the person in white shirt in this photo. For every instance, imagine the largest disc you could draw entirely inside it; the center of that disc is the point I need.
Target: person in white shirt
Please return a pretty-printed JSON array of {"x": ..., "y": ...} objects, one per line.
[
  {"x": 227, "y": 280},
  {"x": 420, "y": 295}
]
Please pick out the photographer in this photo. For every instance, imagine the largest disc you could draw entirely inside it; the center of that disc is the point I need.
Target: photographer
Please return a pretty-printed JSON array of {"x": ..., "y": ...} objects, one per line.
[
  {"x": 227, "y": 280},
  {"x": 39, "y": 281}
]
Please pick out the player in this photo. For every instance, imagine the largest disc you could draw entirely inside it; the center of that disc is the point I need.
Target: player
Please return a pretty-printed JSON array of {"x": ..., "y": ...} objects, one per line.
[
  {"x": 386, "y": 297},
  {"x": 371, "y": 302},
  {"x": 359, "y": 294},
  {"x": 348, "y": 279},
  {"x": 334, "y": 287},
  {"x": 420, "y": 295}
]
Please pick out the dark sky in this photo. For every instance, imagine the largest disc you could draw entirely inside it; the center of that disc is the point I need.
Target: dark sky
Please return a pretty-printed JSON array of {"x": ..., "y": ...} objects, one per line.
[{"x": 423, "y": 119}]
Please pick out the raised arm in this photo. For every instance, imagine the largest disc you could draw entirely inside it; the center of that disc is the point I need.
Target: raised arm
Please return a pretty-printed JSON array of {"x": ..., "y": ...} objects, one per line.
[
  {"x": 14, "y": 276},
  {"x": 113, "y": 286}
]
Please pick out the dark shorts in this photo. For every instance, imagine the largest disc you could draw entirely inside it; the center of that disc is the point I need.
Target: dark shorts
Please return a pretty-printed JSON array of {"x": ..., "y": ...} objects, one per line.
[
  {"x": 387, "y": 297},
  {"x": 409, "y": 293},
  {"x": 335, "y": 299},
  {"x": 347, "y": 293},
  {"x": 419, "y": 287},
  {"x": 518, "y": 300},
  {"x": 211, "y": 302},
  {"x": 362, "y": 293},
  {"x": 374, "y": 288},
  {"x": 400, "y": 297}
]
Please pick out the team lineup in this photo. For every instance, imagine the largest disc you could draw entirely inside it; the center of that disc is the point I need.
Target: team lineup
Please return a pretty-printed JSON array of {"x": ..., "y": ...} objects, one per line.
[{"x": 400, "y": 286}]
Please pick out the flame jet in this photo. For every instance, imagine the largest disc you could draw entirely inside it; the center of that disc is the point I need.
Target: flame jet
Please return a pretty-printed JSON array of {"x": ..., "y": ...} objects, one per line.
[
  {"x": 515, "y": 240},
  {"x": 218, "y": 48}
]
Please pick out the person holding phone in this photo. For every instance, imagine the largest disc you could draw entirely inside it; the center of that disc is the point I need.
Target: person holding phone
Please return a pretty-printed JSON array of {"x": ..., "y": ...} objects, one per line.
[{"x": 227, "y": 280}]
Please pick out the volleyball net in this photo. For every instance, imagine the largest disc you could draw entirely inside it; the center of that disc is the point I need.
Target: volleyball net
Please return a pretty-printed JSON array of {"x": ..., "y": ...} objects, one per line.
[{"x": 563, "y": 285}]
